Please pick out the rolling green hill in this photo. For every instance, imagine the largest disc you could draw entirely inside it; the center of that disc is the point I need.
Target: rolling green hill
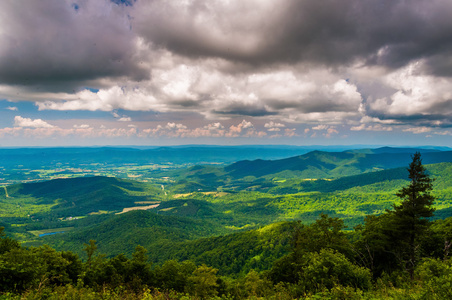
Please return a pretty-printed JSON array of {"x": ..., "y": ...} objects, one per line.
[
  {"x": 205, "y": 201},
  {"x": 318, "y": 164},
  {"x": 122, "y": 233},
  {"x": 179, "y": 221},
  {"x": 262, "y": 174},
  {"x": 77, "y": 196},
  {"x": 179, "y": 238},
  {"x": 235, "y": 253}
]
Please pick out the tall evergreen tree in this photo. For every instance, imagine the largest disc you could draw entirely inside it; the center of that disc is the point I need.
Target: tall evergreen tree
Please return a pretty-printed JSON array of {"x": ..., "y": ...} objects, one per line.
[{"x": 410, "y": 218}]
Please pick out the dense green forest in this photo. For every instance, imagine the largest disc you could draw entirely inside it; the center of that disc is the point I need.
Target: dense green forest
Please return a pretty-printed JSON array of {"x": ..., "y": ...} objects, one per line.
[
  {"x": 384, "y": 237},
  {"x": 313, "y": 261},
  {"x": 90, "y": 207}
]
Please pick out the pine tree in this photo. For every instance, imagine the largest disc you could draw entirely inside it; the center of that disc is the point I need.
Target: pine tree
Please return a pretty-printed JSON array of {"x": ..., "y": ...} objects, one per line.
[{"x": 411, "y": 216}]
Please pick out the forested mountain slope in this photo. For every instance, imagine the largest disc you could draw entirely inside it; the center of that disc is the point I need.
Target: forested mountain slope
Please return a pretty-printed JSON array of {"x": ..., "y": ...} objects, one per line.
[
  {"x": 121, "y": 233},
  {"x": 318, "y": 164},
  {"x": 272, "y": 223},
  {"x": 80, "y": 196},
  {"x": 263, "y": 174},
  {"x": 182, "y": 217}
]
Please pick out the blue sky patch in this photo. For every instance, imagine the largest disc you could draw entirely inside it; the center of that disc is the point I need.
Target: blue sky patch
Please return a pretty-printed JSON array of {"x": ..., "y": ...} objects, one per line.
[{"x": 124, "y": 2}]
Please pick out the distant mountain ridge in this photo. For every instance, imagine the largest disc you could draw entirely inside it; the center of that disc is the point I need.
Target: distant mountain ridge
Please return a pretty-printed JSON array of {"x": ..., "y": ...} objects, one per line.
[
  {"x": 37, "y": 157},
  {"x": 194, "y": 154},
  {"x": 395, "y": 150},
  {"x": 319, "y": 164}
]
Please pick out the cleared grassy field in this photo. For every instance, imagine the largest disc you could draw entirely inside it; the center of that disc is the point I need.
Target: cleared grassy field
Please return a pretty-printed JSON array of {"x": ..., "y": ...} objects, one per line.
[{"x": 127, "y": 209}]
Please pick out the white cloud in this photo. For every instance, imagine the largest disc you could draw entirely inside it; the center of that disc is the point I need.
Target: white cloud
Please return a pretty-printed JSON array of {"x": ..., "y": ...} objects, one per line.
[
  {"x": 320, "y": 127},
  {"x": 213, "y": 130},
  {"x": 12, "y": 108},
  {"x": 367, "y": 119},
  {"x": 284, "y": 93},
  {"x": 272, "y": 124},
  {"x": 274, "y": 127},
  {"x": 13, "y": 132},
  {"x": 125, "y": 119},
  {"x": 236, "y": 130},
  {"x": 377, "y": 127},
  {"x": 418, "y": 130},
  {"x": 290, "y": 132},
  {"x": 331, "y": 131},
  {"x": 416, "y": 93},
  {"x": 328, "y": 130},
  {"x": 81, "y": 126},
  {"x": 172, "y": 126},
  {"x": 27, "y": 122},
  {"x": 445, "y": 132},
  {"x": 214, "y": 126}
]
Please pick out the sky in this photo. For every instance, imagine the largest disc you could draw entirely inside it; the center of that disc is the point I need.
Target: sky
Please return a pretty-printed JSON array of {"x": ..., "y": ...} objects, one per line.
[{"x": 227, "y": 72}]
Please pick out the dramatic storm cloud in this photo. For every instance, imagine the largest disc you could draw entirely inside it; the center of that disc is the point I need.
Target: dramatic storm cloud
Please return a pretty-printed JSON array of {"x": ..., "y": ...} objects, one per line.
[
  {"x": 333, "y": 33},
  {"x": 299, "y": 69},
  {"x": 62, "y": 43}
]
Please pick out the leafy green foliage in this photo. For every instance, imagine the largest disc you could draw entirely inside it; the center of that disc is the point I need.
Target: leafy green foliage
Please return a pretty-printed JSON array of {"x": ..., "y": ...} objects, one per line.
[
  {"x": 327, "y": 268},
  {"x": 397, "y": 238},
  {"x": 326, "y": 232},
  {"x": 22, "y": 269},
  {"x": 7, "y": 243},
  {"x": 310, "y": 271},
  {"x": 203, "y": 282},
  {"x": 410, "y": 218},
  {"x": 233, "y": 254},
  {"x": 437, "y": 278},
  {"x": 121, "y": 233}
]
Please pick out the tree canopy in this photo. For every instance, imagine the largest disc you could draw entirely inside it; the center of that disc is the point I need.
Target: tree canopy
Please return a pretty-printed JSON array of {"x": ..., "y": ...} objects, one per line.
[{"x": 410, "y": 218}]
